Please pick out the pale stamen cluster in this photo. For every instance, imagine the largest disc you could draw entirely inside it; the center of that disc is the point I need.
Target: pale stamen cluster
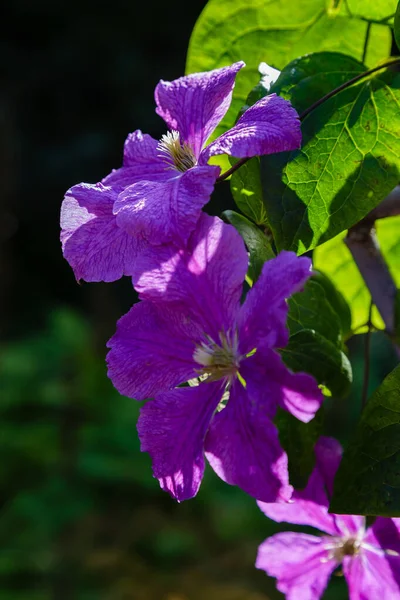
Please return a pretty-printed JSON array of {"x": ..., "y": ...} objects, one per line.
[
  {"x": 219, "y": 361},
  {"x": 340, "y": 547},
  {"x": 176, "y": 155}
]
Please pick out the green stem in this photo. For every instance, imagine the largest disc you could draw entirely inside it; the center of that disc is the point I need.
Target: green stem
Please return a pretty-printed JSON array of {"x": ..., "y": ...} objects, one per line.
[
  {"x": 366, "y": 43},
  {"x": 308, "y": 110}
]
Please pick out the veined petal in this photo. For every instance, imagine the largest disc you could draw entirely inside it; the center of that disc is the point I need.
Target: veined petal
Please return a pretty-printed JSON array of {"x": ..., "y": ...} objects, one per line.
[
  {"x": 151, "y": 351},
  {"x": 142, "y": 161},
  {"x": 310, "y": 506},
  {"x": 207, "y": 278},
  {"x": 262, "y": 317},
  {"x": 271, "y": 384},
  {"x": 385, "y": 533},
  {"x": 370, "y": 574},
  {"x": 167, "y": 211},
  {"x": 328, "y": 454},
  {"x": 243, "y": 448},
  {"x": 95, "y": 247},
  {"x": 172, "y": 428},
  {"x": 195, "y": 104},
  {"x": 271, "y": 125},
  {"x": 299, "y": 562}
]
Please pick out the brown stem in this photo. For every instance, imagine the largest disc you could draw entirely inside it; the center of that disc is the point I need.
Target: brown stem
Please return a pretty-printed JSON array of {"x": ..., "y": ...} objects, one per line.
[
  {"x": 364, "y": 247},
  {"x": 389, "y": 207},
  {"x": 234, "y": 168}
]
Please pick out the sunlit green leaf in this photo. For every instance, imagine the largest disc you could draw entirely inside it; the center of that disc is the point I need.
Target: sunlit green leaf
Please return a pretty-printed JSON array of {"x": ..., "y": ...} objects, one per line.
[
  {"x": 275, "y": 32},
  {"x": 348, "y": 163},
  {"x": 374, "y": 10}
]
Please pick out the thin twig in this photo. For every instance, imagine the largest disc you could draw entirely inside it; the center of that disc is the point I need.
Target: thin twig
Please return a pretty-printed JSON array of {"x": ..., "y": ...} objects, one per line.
[
  {"x": 367, "y": 361},
  {"x": 234, "y": 168},
  {"x": 305, "y": 113}
]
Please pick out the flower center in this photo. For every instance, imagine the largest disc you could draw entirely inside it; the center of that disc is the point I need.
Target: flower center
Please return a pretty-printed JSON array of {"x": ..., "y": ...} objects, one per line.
[
  {"x": 176, "y": 155},
  {"x": 219, "y": 361},
  {"x": 341, "y": 547},
  {"x": 350, "y": 547}
]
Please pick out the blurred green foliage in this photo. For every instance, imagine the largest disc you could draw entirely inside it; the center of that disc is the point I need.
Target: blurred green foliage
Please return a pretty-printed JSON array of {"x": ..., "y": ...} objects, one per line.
[{"x": 82, "y": 517}]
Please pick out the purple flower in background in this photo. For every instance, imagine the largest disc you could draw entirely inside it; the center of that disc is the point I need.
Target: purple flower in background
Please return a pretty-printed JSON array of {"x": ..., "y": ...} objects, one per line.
[
  {"x": 303, "y": 563},
  {"x": 157, "y": 195},
  {"x": 190, "y": 325}
]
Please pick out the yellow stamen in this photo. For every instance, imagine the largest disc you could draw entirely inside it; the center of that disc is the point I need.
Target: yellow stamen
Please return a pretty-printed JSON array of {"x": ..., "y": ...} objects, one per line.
[{"x": 176, "y": 155}]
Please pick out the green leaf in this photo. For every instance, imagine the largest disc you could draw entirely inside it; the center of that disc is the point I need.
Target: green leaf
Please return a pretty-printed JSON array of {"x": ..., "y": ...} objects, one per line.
[
  {"x": 368, "y": 479},
  {"x": 309, "y": 351},
  {"x": 256, "y": 241},
  {"x": 337, "y": 302},
  {"x": 397, "y": 26},
  {"x": 298, "y": 440},
  {"x": 275, "y": 32},
  {"x": 308, "y": 78},
  {"x": 247, "y": 192},
  {"x": 335, "y": 260},
  {"x": 311, "y": 309},
  {"x": 373, "y": 10},
  {"x": 349, "y": 162}
]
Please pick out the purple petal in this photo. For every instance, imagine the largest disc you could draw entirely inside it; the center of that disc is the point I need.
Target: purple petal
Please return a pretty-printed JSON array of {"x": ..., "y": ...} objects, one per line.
[
  {"x": 195, "y": 104},
  {"x": 328, "y": 453},
  {"x": 372, "y": 575},
  {"x": 243, "y": 448},
  {"x": 306, "y": 507},
  {"x": 172, "y": 429},
  {"x": 165, "y": 212},
  {"x": 151, "y": 351},
  {"x": 262, "y": 317},
  {"x": 95, "y": 247},
  {"x": 310, "y": 506},
  {"x": 271, "y": 384},
  {"x": 207, "y": 279},
  {"x": 142, "y": 161},
  {"x": 299, "y": 562},
  {"x": 271, "y": 125},
  {"x": 384, "y": 533}
]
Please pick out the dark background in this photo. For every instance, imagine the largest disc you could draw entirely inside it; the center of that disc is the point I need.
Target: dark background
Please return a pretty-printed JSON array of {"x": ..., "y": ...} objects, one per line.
[{"x": 81, "y": 516}]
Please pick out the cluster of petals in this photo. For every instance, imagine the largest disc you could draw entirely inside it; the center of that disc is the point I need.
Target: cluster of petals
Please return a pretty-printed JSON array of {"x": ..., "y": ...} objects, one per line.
[
  {"x": 303, "y": 563},
  {"x": 210, "y": 364},
  {"x": 190, "y": 325},
  {"x": 157, "y": 195}
]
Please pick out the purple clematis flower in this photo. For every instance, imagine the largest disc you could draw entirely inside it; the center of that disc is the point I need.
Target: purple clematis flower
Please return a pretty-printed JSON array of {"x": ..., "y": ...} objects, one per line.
[
  {"x": 303, "y": 563},
  {"x": 157, "y": 195},
  {"x": 190, "y": 326}
]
